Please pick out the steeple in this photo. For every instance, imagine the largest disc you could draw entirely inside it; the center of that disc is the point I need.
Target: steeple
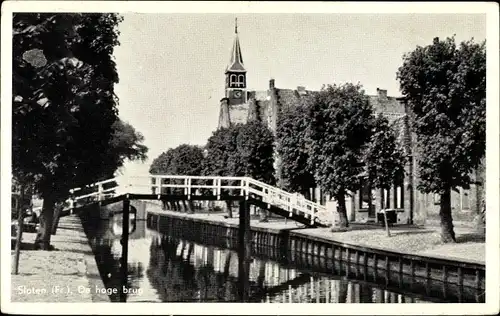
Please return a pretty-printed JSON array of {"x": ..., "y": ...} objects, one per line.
[
  {"x": 236, "y": 61},
  {"x": 236, "y": 75}
]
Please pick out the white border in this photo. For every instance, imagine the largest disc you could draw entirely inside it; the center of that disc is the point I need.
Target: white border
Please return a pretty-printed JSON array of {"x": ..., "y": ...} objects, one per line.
[{"x": 492, "y": 159}]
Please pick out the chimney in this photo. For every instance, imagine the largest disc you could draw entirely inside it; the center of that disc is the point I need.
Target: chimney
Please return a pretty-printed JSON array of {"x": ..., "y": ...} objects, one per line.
[
  {"x": 301, "y": 90},
  {"x": 271, "y": 84},
  {"x": 382, "y": 94}
]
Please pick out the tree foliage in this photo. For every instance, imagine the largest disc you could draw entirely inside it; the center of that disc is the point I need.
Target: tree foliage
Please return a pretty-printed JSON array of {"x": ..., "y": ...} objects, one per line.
[
  {"x": 161, "y": 164},
  {"x": 182, "y": 160},
  {"x": 64, "y": 109},
  {"x": 186, "y": 160},
  {"x": 126, "y": 144},
  {"x": 222, "y": 156},
  {"x": 340, "y": 121},
  {"x": 293, "y": 149},
  {"x": 255, "y": 149},
  {"x": 445, "y": 87},
  {"x": 384, "y": 156},
  {"x": 241, "y": 150}
]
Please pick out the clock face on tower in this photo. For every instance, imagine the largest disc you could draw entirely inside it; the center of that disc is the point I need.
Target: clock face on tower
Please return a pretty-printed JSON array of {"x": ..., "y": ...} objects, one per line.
[{"x": 237, "y": 94}]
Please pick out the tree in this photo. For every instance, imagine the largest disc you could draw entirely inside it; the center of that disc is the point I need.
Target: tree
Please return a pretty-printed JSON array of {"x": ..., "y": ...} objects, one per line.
[
  {"x": 222, "y": 158},
  {"x": 160, "y": 164},
  {"x": 445, "y": 87},
  {"x": 384, "y": 156},
  {"x": 255, "y": 147},
  {"x": 98, "y": 35},
  {"x": 64, "y": 106},
  {"x": 186, "y": 160},
  {"x": 340, "y": 120},
  {"x": 241, "y": 150},
  {"x": 293, "y": 149},
  {"x": 221, "y": 151},
  {"x": 126, "y": 144}
]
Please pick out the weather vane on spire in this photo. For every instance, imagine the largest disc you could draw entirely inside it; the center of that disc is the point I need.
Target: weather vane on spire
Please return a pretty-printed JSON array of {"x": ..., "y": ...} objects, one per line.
[{"x": 235, "y": 25}]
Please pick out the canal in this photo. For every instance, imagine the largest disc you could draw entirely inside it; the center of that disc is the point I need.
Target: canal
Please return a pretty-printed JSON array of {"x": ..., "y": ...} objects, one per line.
[{"x": 166, "y": 267}]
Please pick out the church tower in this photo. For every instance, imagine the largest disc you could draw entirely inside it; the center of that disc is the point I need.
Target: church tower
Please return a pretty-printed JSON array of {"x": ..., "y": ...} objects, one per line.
[{"x": 236, "y": 75}]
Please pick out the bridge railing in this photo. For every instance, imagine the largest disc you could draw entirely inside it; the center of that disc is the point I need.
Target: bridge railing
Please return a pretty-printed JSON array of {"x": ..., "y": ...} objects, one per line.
[
  {"x": 98, "y": 191},
  {"x": 190, "y": 186},
  {"x": 293, "y": 203}
]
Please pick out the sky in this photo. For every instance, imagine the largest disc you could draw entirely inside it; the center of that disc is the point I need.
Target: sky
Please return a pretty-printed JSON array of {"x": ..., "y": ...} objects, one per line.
[{"x": 171, "y": 66}]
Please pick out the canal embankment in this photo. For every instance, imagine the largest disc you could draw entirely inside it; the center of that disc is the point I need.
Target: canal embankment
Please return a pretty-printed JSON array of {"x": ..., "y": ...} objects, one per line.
[
  {"x": 66, "y": 274},
  {"x": 470, "y": 246},
  {"x": 410, "y": 258}
]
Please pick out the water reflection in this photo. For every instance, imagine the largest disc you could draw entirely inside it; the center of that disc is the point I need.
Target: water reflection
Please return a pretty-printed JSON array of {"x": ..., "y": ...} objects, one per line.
[{"x": 164, "y": 268}]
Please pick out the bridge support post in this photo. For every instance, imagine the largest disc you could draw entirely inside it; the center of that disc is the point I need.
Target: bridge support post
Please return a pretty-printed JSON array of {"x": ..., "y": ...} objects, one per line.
[
  {"x": 124, "y": 242},
  {"x": 244, "y": 250}
]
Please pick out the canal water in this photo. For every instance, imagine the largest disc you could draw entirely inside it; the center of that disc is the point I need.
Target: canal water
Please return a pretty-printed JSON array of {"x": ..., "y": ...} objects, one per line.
[{"x": 163, "y": 268}]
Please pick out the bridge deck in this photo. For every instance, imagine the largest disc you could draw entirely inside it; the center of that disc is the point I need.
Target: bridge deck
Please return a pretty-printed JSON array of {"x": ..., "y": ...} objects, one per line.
[{"x": 201, "y": 188}]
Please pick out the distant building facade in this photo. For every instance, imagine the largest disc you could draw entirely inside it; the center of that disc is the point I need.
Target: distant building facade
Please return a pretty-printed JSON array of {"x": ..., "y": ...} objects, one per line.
[{"x": 241, "y": 105}]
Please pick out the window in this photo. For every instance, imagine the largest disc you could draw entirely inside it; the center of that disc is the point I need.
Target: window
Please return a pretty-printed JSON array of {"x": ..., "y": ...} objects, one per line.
[
  {"x": 236, "y": 81},
  {"x": 241, "y": 81},
  {"x": 232, "y": 80},
  {"x": 364, "y": 196},
  {"x": 386, "y": 198},
  {"x": 399, "y": 192},
  {"x": 436, "y": 199},
  {"x": 464, "y": 199}
]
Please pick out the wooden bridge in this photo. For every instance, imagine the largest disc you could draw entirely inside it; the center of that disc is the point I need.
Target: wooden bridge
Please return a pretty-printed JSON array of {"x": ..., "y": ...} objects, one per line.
[
  {"x": 178, "y": 188},
  {"x": 245, "y": 190}
]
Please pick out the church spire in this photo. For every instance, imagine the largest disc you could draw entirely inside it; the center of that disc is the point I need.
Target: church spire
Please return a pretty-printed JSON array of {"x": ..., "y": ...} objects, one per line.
[{"x": 236, "y": 62}]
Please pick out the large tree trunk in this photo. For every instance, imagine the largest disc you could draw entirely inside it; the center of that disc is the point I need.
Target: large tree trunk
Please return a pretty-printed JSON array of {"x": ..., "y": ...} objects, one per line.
[
  {"x": 447, "y": 232},
  {"x": 341, "y": 209},
  {"x": 42, "y": 240},
  {"x": 58, "y": 207}
]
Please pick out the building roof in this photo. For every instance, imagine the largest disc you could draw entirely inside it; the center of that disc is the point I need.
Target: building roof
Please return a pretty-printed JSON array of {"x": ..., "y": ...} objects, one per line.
[
  {"x": 287, "y": 98},
  {"x": 386, "y": 104},
  {"x": 236, "y": 61},
  {"x": 381, "y": 103}
]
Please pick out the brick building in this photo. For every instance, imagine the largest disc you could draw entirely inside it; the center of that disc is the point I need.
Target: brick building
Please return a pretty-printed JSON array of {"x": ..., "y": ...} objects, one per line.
[{"x": 241, "y": 104}]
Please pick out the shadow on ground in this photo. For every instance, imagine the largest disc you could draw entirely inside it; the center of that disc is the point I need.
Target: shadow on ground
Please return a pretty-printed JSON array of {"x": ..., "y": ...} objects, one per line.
[
  {"x": 24, "y": 245},
  {"x": 411, "y": 232},
  {"x": 471, "y": 237}
]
